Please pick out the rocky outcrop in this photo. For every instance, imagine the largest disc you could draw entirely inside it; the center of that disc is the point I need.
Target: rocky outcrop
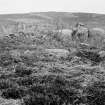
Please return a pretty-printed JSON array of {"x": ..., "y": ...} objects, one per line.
[{"x": 80, "y": 33}]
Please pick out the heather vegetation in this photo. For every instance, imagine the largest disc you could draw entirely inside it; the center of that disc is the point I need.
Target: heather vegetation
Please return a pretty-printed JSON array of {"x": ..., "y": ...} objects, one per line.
[{"x": 53, "y": 67}]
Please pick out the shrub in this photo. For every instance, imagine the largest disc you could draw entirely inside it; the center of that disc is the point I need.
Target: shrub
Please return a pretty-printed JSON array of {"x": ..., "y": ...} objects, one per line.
[
  {"x": 6, "y": 59},
  {"x": 24, "y": 81},
  {"x": 93, "y": 56},
  {"x": 51, "y": 90},
  {"x": 51, "y": 95},
  {"x": 22, "y": 70},
  {"x": 40, "y": 99},
  {"x": 29, "y": 60},
  {"x": 96, "y": 93},
  {"x": 14, "y": 93},
  {"x": 5, "y": 84}
]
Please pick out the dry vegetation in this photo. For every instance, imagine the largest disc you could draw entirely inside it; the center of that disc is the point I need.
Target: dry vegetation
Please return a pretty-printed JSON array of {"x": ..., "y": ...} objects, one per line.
[{"x": 50, "y": 67}]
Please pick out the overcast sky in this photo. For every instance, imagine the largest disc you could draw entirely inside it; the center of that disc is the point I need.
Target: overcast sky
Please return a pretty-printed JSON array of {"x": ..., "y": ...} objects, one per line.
[{"x": 25, "y": 6}]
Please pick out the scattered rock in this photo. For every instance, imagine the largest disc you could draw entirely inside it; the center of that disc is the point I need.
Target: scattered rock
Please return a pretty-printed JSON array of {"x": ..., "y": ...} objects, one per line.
[
  {"x": 58, "y": 52},
  {"x": 9, "y": 102},
  {"x": 102, "y": 53},
  {"x": 15, "y": 53}
]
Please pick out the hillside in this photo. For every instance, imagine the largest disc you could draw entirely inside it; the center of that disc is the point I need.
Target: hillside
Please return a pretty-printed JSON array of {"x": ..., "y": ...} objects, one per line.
[
  {"x": 66, "y": 17},
  {"x": 10, "y": 22},
  {"x": 44, "y": 62}
]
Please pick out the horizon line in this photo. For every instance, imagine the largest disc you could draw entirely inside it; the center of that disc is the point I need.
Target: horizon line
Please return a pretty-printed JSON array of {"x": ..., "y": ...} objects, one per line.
[{"x": 11, "y": 13}]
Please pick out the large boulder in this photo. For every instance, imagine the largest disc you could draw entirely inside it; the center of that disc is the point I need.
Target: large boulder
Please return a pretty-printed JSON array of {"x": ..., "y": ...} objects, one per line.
[
  {"x": 99, "y": 30},
  {"x": 63, "y": 34},
  {"x": 96, "y": 37}
]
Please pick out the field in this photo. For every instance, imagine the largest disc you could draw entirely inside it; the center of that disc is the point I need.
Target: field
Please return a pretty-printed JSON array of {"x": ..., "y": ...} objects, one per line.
[{"x": 46, "y": 59}]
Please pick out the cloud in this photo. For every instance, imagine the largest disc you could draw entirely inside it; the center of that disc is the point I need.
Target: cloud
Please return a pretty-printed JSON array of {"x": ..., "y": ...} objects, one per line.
[{"x": 21, "y": 6}]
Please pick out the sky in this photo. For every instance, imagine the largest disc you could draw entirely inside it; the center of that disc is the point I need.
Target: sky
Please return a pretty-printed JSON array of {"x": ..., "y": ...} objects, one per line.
[{"x": 26, "y": 6}]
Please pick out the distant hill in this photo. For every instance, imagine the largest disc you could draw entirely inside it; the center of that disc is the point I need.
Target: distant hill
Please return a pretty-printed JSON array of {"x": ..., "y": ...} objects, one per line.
[{"x": 42, "y": 18}]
